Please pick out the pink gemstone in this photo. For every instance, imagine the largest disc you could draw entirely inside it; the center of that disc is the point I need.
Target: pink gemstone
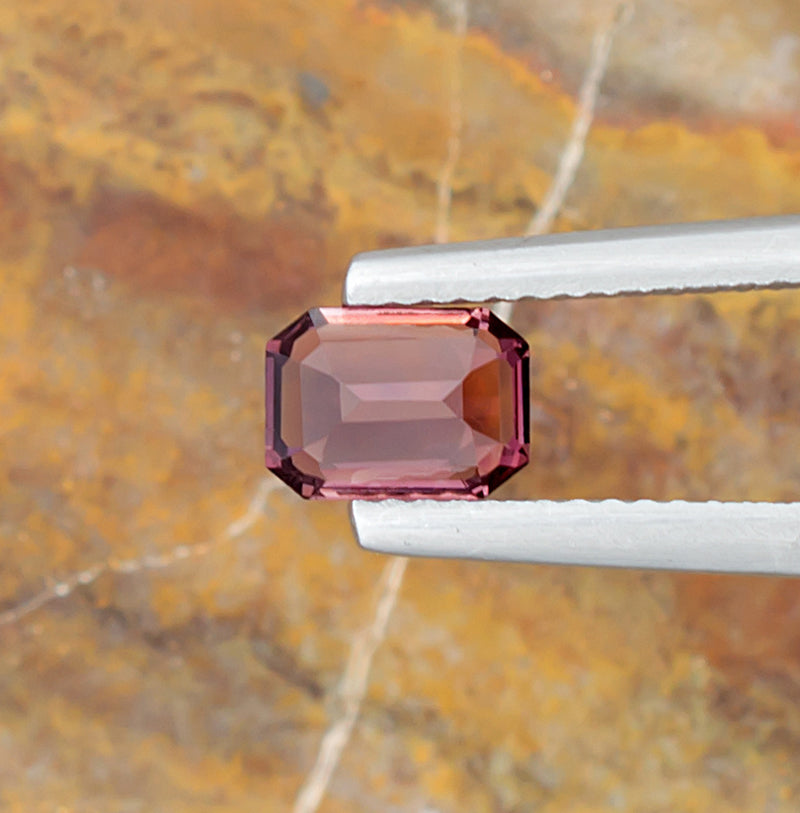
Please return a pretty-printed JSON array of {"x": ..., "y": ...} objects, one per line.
[{"x": 369, "y": 403}]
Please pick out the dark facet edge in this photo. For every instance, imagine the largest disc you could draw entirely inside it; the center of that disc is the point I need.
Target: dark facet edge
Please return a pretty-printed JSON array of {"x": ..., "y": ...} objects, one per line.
[
  {"x": 306, "y": 485},
  {"x": 274, "y": 447},
  {"x": 500, "y": 474},
  {"x": 516, "y": 351},
  {"x": 508, "y": 337},
  {"x": 283, "y": 342},
  {"x": 460, "y": 490},
  {"x": 276, "y": 457},
  {"x": 524, "y": 384}
]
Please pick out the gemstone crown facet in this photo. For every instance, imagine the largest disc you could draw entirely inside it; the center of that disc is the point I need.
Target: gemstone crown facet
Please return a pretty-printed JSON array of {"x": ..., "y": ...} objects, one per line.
[{"x": 372, "y": 403}]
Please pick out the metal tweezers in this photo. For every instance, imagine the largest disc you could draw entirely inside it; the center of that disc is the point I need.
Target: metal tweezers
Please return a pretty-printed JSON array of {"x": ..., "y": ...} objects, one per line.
[{"x": 743, "y": 537}]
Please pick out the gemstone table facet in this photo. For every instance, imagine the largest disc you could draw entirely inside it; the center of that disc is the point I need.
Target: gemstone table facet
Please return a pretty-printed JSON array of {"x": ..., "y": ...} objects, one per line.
[{"x": 371, "y": 403}]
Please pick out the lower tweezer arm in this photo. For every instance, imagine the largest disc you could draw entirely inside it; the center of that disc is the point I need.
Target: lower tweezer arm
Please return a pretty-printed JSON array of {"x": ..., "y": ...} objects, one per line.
[{"x": 711, "y": 536}]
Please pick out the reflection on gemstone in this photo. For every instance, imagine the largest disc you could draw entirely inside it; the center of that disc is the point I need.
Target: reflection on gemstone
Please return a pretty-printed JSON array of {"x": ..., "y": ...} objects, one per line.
[{"x": 378, "y": 402}]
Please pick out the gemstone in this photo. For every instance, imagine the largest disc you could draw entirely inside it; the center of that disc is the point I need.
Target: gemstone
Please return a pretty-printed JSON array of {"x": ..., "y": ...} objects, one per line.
[{"x": 371, "y": 403}]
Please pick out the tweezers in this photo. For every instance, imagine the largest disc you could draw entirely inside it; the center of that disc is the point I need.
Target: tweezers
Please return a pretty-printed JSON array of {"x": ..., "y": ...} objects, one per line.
[{"x": 740, "y": 537}]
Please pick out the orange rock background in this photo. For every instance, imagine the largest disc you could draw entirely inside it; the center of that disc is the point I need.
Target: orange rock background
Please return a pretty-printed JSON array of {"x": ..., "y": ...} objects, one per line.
[{"x": 177, "y": 181}]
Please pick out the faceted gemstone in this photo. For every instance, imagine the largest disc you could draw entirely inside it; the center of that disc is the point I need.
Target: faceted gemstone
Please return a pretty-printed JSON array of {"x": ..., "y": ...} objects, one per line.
[{"x": 369, "y": 403}]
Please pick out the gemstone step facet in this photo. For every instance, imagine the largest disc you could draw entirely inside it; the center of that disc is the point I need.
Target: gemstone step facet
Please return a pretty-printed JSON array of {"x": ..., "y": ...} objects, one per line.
[{"x": 372, "y": 403}]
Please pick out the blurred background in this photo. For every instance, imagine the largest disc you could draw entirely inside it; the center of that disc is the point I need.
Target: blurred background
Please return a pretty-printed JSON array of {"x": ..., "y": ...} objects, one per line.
[{"x": 180, "y": 179}]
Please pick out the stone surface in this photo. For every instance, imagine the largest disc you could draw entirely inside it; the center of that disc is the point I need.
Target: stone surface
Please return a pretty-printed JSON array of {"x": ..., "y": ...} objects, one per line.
[
  {"x": 174, "y": 188},
  {"x": 371, "y": 403}
]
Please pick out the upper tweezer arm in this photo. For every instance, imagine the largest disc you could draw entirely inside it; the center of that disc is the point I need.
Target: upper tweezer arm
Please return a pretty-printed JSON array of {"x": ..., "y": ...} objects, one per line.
[
  {"x": 760, "y": 252},
  {"x": 710, "y": 536}
]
